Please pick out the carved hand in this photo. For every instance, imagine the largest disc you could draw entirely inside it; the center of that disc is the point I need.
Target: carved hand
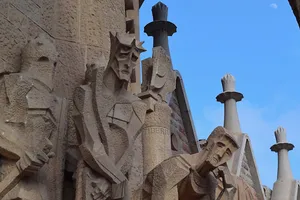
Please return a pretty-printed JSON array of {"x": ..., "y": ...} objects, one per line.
[
  {"x": 101, "y": 189},
  {"x": 224, "y": 172},
  {"x": 30, "y": 163}
]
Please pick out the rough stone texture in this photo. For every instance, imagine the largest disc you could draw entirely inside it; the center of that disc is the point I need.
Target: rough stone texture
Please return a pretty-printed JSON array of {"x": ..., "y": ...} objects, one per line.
[
  {"x": 35, "y": 114},
  {"x": 108, "y": 122},
  {"x": 285, "y": 186},
  {"x": 159, "y": 82},
  {"x": 77, "y": 26},
  {"x": 179, "y": 140},
  {"x": 187, "y": 127},
  {"x": 189, "y": 177},
  {"x": 33, "y": 127},
  {"x": 242, "y": 163}
]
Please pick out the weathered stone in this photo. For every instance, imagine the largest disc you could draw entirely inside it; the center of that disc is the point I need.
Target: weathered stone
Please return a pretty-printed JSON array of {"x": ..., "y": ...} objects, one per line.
[
  {"x": 188, "y": 176},
  {"x": 33, "y": 127},
  {"x": 109, "y": 124},
  {"x": 67, "y": 24},
  {"x": 285, "y": 186}
]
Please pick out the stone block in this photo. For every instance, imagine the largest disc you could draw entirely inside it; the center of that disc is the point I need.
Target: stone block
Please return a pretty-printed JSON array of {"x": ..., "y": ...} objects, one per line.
[
  {"x": 18, "y": 19},
  {"x": 136, "y": 171},
  {"x": 95, "y": 53},
  {"x": 28, "y": 7},
  {"x": 95, "y": 32},
  {"x": 67, "y": 23},
  {"x": 4, "y": 8},
  {"x": 48, "y": 16},
  {"x": 70, "y": 69},
  {"x": 12, "y": 40}
]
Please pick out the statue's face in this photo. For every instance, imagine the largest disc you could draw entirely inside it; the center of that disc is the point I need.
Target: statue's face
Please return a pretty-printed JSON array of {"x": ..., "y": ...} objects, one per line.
[
  {"x": 221, "y": 150},
  {"x": 126, "y": 58}
]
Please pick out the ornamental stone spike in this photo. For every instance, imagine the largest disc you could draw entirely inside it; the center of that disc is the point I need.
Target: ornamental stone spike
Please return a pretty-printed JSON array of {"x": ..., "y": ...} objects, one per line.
[
  {"x": 160, "y": 12},
  {"x": 229, "y": 97},
  {"x": 228, "y": 83},
  {"x": 284, "y": 187},
  {"x": 280, "y": 135},
  {"x": 282, "y": 147},
  {"x": 160, "y": 28}
]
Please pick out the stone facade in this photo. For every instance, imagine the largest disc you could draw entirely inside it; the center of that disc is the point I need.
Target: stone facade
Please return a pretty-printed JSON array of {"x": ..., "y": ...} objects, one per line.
[{"x": 76, "y": 122}]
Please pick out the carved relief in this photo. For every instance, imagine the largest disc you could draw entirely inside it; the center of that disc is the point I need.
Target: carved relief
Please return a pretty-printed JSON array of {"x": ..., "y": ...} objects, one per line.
[
  {"x": 158, "y": 76},
  {"x": 188, "y": 177},
  {"x": 108, "y": 121},
  {"x": 30, "y": 127}
]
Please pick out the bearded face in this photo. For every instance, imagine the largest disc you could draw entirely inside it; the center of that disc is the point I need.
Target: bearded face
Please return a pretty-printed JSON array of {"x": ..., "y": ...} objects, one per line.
[
  {"x": 126, "y": 59},
  {"x": 221, "y": 151}
]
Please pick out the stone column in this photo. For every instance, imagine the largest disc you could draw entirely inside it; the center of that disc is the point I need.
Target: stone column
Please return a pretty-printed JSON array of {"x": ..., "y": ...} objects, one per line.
[
  {"x": 156, "y": 135},
  {"x": 160, "y": 28},
  {"x": 284, "y": 186},
  {"x": 229, "y": 97}
]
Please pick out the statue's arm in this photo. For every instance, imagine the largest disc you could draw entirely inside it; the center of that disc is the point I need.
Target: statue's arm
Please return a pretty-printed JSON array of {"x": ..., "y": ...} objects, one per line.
[
  {"x": 30, "y": 163},
  {"x": 93, "y": 152},
  {"x": 101, "y": 163}
]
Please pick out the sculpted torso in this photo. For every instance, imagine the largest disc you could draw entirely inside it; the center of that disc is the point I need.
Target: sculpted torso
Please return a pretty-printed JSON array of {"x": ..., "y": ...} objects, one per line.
[
  {"x": 29, "y": 125},
  {"x": 108, "y": 121},
  {"x": 189, "y": 177}
]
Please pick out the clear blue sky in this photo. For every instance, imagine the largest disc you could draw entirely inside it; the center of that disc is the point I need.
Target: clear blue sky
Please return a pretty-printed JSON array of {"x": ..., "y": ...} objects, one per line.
[{"x": 256, "y": 41}]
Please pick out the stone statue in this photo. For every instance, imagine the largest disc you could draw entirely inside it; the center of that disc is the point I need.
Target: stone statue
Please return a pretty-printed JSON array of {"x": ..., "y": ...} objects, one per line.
[
  {"x": 188, "y": 177},
  {"x": 30, "y": 130},
  {"x": 231, "y": 187},
  {"x": 159, "y": 81},
  {"x": 108, "y": 122}
]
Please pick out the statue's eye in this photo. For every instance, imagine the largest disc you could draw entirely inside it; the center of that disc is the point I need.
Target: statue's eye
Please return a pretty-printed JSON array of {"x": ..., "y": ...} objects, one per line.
[
  {"x": 219, "y": 144},
  {"x": 125, "y": 48},
  {"x": 123, "y": 55},
  {"x": 228, "y": 152},
  {"x": 134, "y": 58}
]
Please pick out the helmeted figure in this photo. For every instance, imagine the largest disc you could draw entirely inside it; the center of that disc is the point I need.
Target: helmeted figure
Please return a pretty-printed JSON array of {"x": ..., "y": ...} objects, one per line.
[
  {"x": 108, "y": 122},
  {"x": 29, "y": 126}
]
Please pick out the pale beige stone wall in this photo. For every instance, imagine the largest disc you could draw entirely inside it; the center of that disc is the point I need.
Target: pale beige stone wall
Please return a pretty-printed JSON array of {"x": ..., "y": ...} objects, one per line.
[{"x": 79, "y": 27}]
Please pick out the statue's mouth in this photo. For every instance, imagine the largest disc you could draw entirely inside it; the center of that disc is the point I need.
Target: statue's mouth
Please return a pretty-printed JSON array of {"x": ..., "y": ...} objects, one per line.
[{"x": 125, "y": 72}]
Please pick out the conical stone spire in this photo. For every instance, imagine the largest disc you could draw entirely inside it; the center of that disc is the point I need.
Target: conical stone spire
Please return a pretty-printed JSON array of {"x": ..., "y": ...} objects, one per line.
[
  {"x": 229, "y": 97},
  {"x": 285, "y": 187},
  {"x": 160, "y": 28}
]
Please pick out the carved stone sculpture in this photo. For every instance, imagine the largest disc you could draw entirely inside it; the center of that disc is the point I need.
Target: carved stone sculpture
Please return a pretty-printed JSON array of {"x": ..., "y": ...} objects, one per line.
[
  {"x": 231, "y": 187},
  {"x": 285, "y": 187},
  {"x": 244, "y": 191},
  {"x": 267, "y": 192},
  {"x": 30, "y": 127},
  {"x": 108, "y": 122},
  {"x": 188, "y": 177},
  {"x": 159, "y": 81}
]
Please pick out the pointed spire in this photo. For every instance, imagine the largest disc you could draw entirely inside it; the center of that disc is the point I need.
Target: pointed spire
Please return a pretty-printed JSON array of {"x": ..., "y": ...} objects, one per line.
[
  {"x": 285, "y": 186},
  {"x": 160, "y": 12},
  {"x": 160, "y": 28},
  {"x": 229, "y": 97},
  {"x": 282, "y": 147}
]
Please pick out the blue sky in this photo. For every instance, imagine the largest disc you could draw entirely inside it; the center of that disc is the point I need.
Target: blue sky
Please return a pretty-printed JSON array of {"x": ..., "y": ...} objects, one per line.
[{"x": 256, "y": 41}]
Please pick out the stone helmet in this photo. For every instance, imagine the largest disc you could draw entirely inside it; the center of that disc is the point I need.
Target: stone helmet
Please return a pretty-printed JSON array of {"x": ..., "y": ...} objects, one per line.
[{"x": 39, "y": 49}]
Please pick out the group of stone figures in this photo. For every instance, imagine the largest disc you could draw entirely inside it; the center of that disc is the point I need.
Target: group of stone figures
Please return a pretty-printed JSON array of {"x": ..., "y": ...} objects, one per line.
[{"x": 108, "y": 120}]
